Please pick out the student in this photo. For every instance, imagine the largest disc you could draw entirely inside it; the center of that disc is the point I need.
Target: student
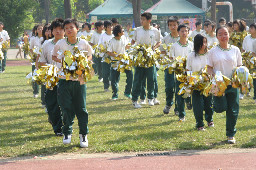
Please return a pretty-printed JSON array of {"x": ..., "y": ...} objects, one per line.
[
  {"x": 229, "y": 25},
  {"x": 173, "y": 37},
  {"x": 181, "y": 48},
  {"x": 197, "y": 61},
  {"x": 53, "y": 108},
  {"x": 71, "y": 94},
  {"x": 19, "y": 46},
  {"x": 118, "y": 44},
  {"x": 211, "y": 37},
  {"x": 94, "y": 41},
  {"x": 204, "y": 31},
  {"x": 86, "y": 30},
  {"x": 4, "y": 37},
  {"x": 128, "y": 33},
  {"x": 36, "y": 42},
  {"x": 225, "y": 58},
  {"x": 25, "y": 40},
  {"x": 222, "y": 21},
  {"x": 149, "y": 35},
  {"x": 197, "y": 30},
  {"x": 114, "y": 22},
  {"x": 104, "y": 40},
  {"x": 239, "y": 31}
]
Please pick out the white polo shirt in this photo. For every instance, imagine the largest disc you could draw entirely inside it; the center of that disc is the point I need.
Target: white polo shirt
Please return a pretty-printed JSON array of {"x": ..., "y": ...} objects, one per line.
[
  {"x": 248, "y": 43},
  {"x": 149, "y": 37},
  {"x": 95, "y": 38},
  {"x": 196, "y": 62},
  {"x": 4, "y": 35},
  {"x": 178, "y": 49}
]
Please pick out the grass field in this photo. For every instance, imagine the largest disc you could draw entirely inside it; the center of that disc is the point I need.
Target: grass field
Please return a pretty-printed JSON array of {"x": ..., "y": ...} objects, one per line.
[{"x": 115, "y": 126}]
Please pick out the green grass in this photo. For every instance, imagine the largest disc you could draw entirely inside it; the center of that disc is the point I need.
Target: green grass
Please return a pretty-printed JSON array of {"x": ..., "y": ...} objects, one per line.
[{"x": 115, "y": 126}]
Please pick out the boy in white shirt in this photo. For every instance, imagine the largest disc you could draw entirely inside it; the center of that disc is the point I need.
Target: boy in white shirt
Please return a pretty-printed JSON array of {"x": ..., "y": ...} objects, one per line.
[
  {"x": 72, "y": 94},
  {"x": 104, "y": 40},
  {"x": 86, "y": 30},
  {"x": 94, "y": 41},
  {"x": 197, "y": 30},
  {"x": 4, "y": 37},
  {"x": 149, "y": 35},
  {"x": 211, "y": 37}
]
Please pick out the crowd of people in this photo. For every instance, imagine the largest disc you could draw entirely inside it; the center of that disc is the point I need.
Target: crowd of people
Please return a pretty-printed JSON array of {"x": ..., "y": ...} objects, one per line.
[{"x": 206, "y": 46}]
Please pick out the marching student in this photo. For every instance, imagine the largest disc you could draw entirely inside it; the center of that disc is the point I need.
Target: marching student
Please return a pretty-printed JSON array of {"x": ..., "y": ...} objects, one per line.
[
  {"x": 222, "y": 21},
  {"x": 94, "y": 41},
  {"x": 4, "y": 37},
  {"x": 225, "y": 58},
  {"x": 36, "y": 42},
  {"x": 72, "y": 94},
  {"x": 173, "y": 37},
  {"x": 211, "y": 37},
  {"x": 198, "y": 30},
  {"x": 197, "y": 61},
  {"x": 181, "y": 48},
  {"x": 86, "y": 30},
  {"x": 53, "y": 108},
  {"x": 104, "y": 40},
  {"x": 149, "y": 35},
  {"x": 118, "y": 44}
]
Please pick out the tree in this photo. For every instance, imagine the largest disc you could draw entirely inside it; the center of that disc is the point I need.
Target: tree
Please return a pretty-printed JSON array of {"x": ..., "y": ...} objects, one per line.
[
  {"x": 46, "y": 9},
  {"x": 67, "y": 7},
  {"x": 136, "y": 5}
]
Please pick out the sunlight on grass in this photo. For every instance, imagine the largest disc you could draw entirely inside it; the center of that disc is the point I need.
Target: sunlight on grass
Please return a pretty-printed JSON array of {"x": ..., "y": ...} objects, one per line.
[{"x": 115, "y": 126}]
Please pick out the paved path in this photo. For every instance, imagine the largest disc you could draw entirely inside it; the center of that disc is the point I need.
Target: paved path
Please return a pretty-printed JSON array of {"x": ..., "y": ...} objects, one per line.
[{"x": 244, "y": 159}]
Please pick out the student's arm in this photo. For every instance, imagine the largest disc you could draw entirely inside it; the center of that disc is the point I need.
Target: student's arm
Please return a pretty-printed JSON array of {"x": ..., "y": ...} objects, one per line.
[
  {"x": 55, "y": 54},
  {"x": 111, "y": 54},
  {"x": 157, "y": 45}
]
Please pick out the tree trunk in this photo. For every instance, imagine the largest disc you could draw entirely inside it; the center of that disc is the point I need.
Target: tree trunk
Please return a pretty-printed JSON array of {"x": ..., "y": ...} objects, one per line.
[
  {"x": 136, "y": 5},
  {"x": 67, "y": 8},
  {"x": 213, "y": 11},
  {"x": 46, "y": 9}
]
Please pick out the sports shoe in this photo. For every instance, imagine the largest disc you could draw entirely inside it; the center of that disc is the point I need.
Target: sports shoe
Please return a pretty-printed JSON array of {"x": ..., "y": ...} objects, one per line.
[
  {"x": 189, "y": 105},
  {"x": 241, "y": 96},
  {"x": 101, "y": 80},
  {"x": 143, "y": 101},
  {"x": 43, "y": 106},
  {"x": 167, "y": 109},
  {"x": 83, "y": 141},
  {"x": 136, "y": 104},
  {"x": 201, "y": 129},
  {"x": 35, "y": 96},
  {"x": 151, "y": 102},
  {"x": 106, "y": 90},
  {"x": 182, "y": 119},
  {"x": 210, "y": 124},
  {"x": 176, "y": 113},
  {"x": 231, "y": 140},
  {"x": 66, "y": 139},
  {"x": 156, "y": 102},
  {"x": 248, "y": 95},
  {"x": 46, "y": 111},
  {"x": 114, "y": 98},
  {"x": 129, "y": 96}
]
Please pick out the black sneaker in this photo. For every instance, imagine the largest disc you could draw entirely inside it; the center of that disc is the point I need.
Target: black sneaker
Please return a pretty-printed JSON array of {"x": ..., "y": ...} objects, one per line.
[
  {"x": 189, "y": 105},
  {"x": 167, "y": 109}
]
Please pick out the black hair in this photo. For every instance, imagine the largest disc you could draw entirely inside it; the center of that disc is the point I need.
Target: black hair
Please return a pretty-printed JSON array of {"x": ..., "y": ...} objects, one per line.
[
  {"x": 222, "y": 19},
  {"x": 198, "y": 23},
  {"x": 198, "y": 43},
  {"x": 58, "y": 22},
  {"x": 147, "y": 15},
  {"x": 98, "y": 24},
  {"x": 241, "y": 24},
  {"x": 117, "y": 29},
  {"x": 46, "y": 27},
  {"x": 39, "y": 25},
  {"x": 207, "y": 20},
  {"x": 114, "y": 21},
  {"x": 107, "y": 23},
  {"x": 221, "y": 27},
  {"x": 173, "y": 19},
  {"x": 182, "y": 26},
  {"x": 253, "y": 25},
  {"x": 88, "y": 25},
  {"x": 71, "y": 20},
  {"x": 229, "y": 24},
  {"x": 207, "y": 23},
  {"x": 34, "y": 30},
  {"x": 154, "y": 24}
]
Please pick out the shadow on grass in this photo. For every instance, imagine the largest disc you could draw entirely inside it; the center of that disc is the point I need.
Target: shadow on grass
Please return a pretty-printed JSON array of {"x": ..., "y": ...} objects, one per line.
[
  {"x": 105, "y": 109},
  {"x": 22, "y": 109},
  {"x": 24, "y": 117},
  {"x": 15, "y": 98},
  {"x": 250, "y": 144}
]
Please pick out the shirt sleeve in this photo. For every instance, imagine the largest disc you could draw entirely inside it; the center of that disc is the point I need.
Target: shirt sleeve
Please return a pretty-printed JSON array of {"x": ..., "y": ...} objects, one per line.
[
  {"x": 7, "y": 36},
  {"x": 239, "y": 58},
  {"x": 92, "y": 39},
  {"x": 89, "y": 49},
  {"x": 43, "y": 56},
  {"x": 56, "y": 49},
  {"x": 135, "y": 35},
  {"x": 189, "y": 62},
  {"x": 157, "y": 36},
  {"x": 244, "y": 44},
  {"x": 110, "y": 46},
  {"x": 31, "y": 43},
  {"x": 210, "y": 58},
  {"x": 172, "y": 52},
  {"x": 254, "y": 46}
]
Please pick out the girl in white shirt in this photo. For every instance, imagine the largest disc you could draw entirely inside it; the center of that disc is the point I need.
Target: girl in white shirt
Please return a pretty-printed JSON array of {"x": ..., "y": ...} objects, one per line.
[
  {"x": 196, "y": 61},
  {"x": 226, "y": 58}
]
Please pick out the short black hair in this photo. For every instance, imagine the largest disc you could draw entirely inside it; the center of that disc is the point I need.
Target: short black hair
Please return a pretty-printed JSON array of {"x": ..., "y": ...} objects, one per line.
[
  {"x": 58, "y": 22},
  {"x": 71, "y": 20},
  {"x": 98, "y": 24},
  {"x": 147, "y": 15},
  {"x": 229, "y": 24},
  {"x": 207, "y": 20},
  {"x": 117, "y": 29},
  {"x": 88, "y": 25},
  {"x": 198, "y": 23},
  {"x": 182, "y": 26},
  {"x": 114, "y": 21},
  {"x": 222, "y": 19},
  {"x": 173, "y": 19},
  {"x": 107, "y": 23},
  {"x": 253, "y": 25}
]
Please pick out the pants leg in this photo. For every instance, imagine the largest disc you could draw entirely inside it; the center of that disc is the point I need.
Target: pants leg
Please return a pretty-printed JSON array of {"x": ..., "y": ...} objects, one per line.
[
  {"x": 99, "y": 67},
  {"x": 129, "y": 79},
  {"x": 169, "y": 87},
  {"x": 176, "y": 94},
  {"x": 219, "y": 104},
  {"x": 43, "y": 90},
  {"x": 208, "y": 108},
  {"x": 79, "y": 103},
  {"x": 137, "y": 81},
  {"x": 198, "y": 108},
  {"x": 4, "y": 60},
  {"x": 150, "y": 81},
  {"x": 115, "y": 77},
  {"x": 35, "y": 86},
  {"x": 254, "y": 89},
  {"x": 94, "y": 65},
  {"x": 143, "y": 89},
  {"x": 53, "y": 109},
  {"x": 106, "y": 74},
  {"x": 232, "y": 96},
  {"x": 155, "y": 83},
  {"x": 65, "y": 100},
  {"x": 180, "y": 102}
]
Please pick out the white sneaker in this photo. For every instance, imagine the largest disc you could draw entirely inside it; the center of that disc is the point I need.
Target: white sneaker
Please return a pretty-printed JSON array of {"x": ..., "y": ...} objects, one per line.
[
  {"x": 248, "y": 95},
  {"x": 182, "y": 119},
  {"x": 83, "y": 141},
  {"x": 66, "y": 139},
  {"x": 156, "y": 102},
  {"x": 231, "y": 140},
  {"x": 143, "y": 101},
  {"x": 106, "y": 90},
  {"x": 241, "y": 96},
  {"x": 151, "y": 102},
  {"x": 101, "y": 80},
  {"x": 136, "y": 104},
  {"x": 35, "y": 96}
]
